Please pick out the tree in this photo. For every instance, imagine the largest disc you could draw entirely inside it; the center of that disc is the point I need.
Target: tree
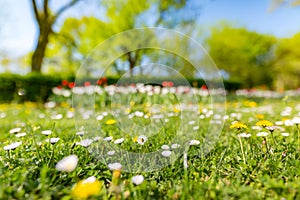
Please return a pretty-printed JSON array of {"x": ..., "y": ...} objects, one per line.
[
  {"x": 45, "y": 20},
  {"x": 81, "y": 35},
  {"x": 287, "y": 63},
  {"x": 245, "y": 55}
]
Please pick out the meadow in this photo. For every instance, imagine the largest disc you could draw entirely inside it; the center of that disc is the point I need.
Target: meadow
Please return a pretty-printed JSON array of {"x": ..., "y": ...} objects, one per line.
[{"x": 247, "y": 147}]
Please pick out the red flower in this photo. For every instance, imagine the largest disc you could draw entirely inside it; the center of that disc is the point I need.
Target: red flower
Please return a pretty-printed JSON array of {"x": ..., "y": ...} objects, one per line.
[
  {"x": 64, "y": 82},
  {"x": 132, "y": 85},
  {"x": 104, "y": 79},
  {"x": 203, "y": 87},
  {"x": 167, "y": 84},
  {"x": 71, "y": 85},
  {"x": 99, "y": 82},
  {"x": 87, "y": 83}
]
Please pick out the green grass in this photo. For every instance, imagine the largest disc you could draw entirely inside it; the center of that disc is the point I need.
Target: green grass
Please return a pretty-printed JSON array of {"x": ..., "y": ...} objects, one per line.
[{"x": 270, "y": 171}]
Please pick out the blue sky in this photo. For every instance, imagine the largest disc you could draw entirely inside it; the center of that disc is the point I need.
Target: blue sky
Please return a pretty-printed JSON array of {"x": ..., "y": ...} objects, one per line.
[{"x": 18, "y": 29}]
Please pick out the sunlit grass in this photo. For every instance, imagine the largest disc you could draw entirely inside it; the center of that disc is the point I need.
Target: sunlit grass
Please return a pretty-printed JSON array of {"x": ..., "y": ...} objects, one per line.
[{"x": 238, "y": 167}]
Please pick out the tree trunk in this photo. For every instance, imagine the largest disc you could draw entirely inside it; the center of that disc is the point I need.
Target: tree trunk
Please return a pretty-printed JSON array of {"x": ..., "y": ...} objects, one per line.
[
  {"x": 39, "y": 52},
  {"x": 132, "y": 59}
]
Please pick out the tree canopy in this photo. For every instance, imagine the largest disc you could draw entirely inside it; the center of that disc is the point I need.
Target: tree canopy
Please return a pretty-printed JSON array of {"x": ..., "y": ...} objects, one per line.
[{"x": 245, "y": 55}]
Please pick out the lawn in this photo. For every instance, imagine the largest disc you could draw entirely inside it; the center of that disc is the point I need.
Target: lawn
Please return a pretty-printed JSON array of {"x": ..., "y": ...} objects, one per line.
[{"x": 167, "y": 145}]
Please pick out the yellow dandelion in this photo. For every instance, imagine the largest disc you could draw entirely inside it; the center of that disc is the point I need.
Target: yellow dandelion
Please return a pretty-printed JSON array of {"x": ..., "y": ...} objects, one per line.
[
  {"x": 29, "y": 104},
  {"x": 259, "y": 116},
  {"x": 111, "y": 121},
  {"x": 176, "y": 110},
  {"x": 131, "y": 103},
  {"x": 135, "y": 139},
  {"x": 64, "y": 105},
  {"x": 86, "y": 188},
  {"x": 128, "y": 110},
  {"x": 252, "y": 104},
  {"x": 238, "y": 125},
  {"x": 200, "y": 110},
  {"x": 235, "y": 104},
  {"x": 264, "y": 123}
]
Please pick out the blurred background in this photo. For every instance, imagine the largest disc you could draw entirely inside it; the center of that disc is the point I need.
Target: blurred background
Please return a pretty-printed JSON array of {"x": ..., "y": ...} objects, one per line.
[{"x": 254, "y": 43}]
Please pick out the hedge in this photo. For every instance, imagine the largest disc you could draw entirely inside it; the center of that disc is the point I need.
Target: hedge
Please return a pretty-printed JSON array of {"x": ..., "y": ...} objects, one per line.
[
  {"x": 37, "y": 87},
  {"x": 32, "y": 87}
]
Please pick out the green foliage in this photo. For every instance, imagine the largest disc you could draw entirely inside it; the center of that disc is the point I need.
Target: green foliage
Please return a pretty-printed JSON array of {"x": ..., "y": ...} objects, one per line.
[
  {"x": 287, "y": 63},
  {"x": 244, "y": 54},
  {"x": 32, "y": 87},
  {"x": 8, "y": 86},
  {"x": 78, "y": 37}
]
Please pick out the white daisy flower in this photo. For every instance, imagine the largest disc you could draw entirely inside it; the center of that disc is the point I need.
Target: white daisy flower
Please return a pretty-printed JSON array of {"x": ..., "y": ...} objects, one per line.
[
  {"x": 166, "y": 153},
  {"x": 97, "y": 138},
  {"x": 285, "y": 134},
  {"x": 50, "y": 104},
  {"x": 171, "y": 114},
  {"x": 108, "y": 138},
  {"x": 15, "y": 130},
  {"x": 271, "y": 128},
  {"x": 175, "y": 146},
  {"x": 138, "y": 113},
  {"x": 296, "y": 120},
  {"x": 217, "y": 116},
  {"x": 70, "y": 114},
  {"x": 21, "y": 134},
  {"x": 142, "y": 139},
  {"x": 138, "y": 179},
  {"x": 2, "y": 115},
  {"x": 195, "y": 128},
  {"x": 46, "y": 132},
  {"x": 67, "y": 164},
  {"x": 105, "y": 113},
  {"x": 256, "y": 128},
  {"x": 191, "y": 122},
  {"x": 165, "y": 147},
  {"x": 262, "y": 134},
  {"x": 80, "y": 133},
  {"x": 244, "y": 135},
  {"x": 57, "y": 117},
  {"x": 91, "y": 179},
  {"x": 110, "y": 153},
  {"x": 288, "y": 123},
  {"x": 194, "y": 142},
  {"x": 119, "y": 141},
  {"x": 279, "y": 123},
  {"x": 12, "y": 146},
  {"x": 86, "y": 142},
  {"x": 100, "y": 117},
  {"x": 52, "y": 140},
  {"x": 114, "y": 166}
]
